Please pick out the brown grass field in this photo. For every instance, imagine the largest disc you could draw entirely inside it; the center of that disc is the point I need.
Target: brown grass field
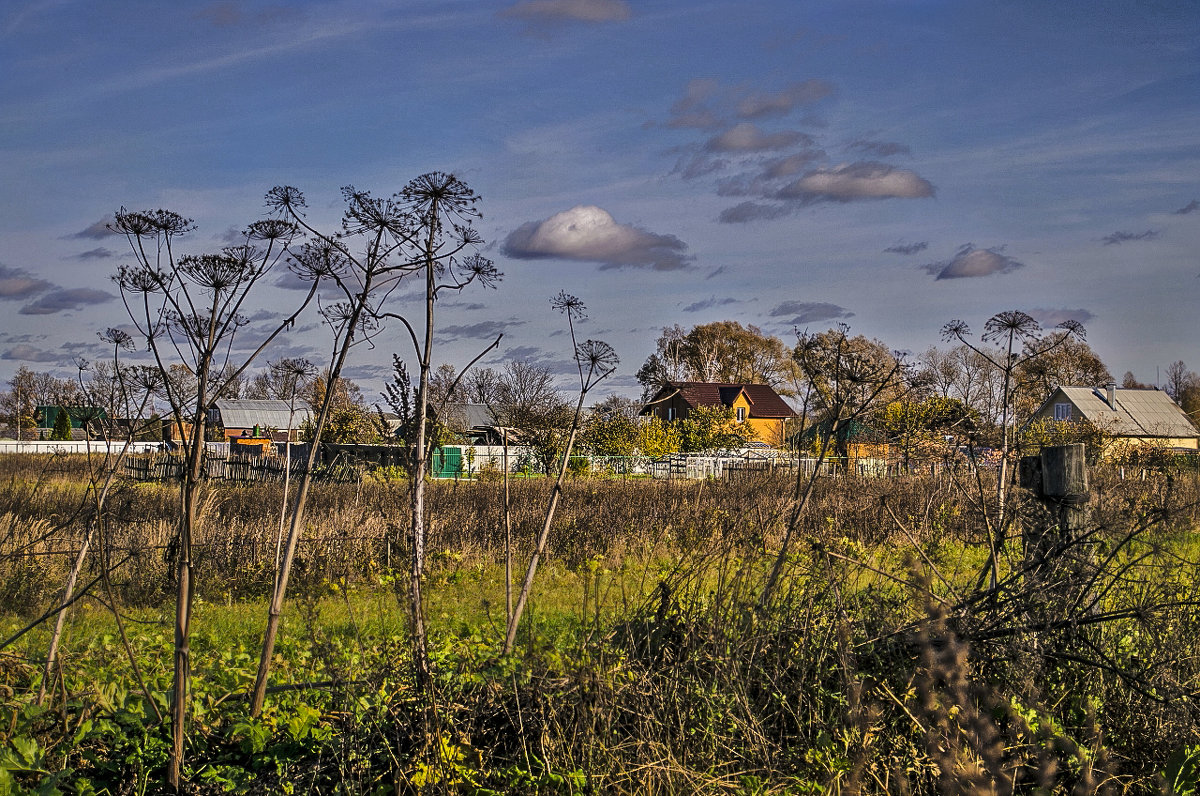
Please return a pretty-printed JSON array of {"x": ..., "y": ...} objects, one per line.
[{"x": 649, "y": 662}]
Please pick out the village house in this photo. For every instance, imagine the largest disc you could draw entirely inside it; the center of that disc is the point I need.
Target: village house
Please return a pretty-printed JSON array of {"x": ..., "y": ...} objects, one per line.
[
  {"x": 756, "y": 406},
  {"x": 1129, "y": 418}
]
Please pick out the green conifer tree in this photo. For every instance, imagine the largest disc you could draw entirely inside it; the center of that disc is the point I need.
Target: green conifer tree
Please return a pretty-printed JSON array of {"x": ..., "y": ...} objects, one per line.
[{"x": 62, "y": 425}]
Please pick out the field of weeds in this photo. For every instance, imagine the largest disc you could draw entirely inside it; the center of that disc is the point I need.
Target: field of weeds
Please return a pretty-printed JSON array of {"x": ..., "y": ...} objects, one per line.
[{"x": 650, "y": 659}]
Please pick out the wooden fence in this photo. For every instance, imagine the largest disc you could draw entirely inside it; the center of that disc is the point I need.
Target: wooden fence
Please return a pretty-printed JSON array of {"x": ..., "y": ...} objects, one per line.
[{"x": 237, "y": 468}]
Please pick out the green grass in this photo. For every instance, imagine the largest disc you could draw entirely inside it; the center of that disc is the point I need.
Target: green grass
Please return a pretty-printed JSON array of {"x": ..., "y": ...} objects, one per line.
[{"x": 645, "y": 664}]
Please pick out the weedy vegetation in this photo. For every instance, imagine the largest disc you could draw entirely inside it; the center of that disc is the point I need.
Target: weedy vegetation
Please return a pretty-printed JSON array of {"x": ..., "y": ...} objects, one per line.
[{"x": 647, "y": 658}]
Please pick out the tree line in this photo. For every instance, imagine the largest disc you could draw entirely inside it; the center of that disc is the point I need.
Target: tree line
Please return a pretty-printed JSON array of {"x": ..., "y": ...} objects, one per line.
[{"x": 937, "y": 388}]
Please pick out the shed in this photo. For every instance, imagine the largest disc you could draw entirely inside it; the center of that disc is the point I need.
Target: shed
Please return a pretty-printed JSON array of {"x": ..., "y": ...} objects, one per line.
[{"x": 271, "y": 418}]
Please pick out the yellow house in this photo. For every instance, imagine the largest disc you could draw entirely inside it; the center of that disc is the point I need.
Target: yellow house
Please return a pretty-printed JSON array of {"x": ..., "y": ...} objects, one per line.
[
  {"x": 1129, "y": 418},
  {"x": 757, "y": 406}
]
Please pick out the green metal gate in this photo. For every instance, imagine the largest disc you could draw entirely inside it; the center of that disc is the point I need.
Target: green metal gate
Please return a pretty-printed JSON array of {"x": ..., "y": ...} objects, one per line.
[{"x": 446, "y": 463}]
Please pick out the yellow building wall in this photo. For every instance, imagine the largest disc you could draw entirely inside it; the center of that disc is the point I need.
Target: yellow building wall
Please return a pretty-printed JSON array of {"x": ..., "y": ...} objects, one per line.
[
  {"x": 762, "y": 429},
  {"x": 1125, "y": 444}
]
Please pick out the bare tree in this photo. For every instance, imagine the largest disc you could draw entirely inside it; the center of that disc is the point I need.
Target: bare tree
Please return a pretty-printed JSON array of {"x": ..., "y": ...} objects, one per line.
[
  {"x": 1179, "y": 380},
  {"x": 481, "y": 386},
  {"x": 526, "y": 389}
]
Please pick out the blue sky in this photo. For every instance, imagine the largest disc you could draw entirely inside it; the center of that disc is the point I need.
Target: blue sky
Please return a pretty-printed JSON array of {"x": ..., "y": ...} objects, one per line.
[{"x": 893, "y": 165}]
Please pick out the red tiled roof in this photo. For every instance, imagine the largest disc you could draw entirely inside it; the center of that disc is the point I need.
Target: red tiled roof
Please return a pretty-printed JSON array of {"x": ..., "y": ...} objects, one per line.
[{"x": 764, "y": 401}]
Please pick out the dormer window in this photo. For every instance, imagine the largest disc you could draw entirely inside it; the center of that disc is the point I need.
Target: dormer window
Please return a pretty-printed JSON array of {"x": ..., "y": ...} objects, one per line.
[{"x": 741, "y": 414}]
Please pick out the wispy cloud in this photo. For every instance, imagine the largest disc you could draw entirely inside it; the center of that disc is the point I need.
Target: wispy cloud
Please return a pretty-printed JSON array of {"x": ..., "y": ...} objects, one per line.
[
  {"x": 27, "y": 353},
  {"x": 759, "y": 104},
  {"x": 230, "y": 14},
  {"x": 540, "y": 15},
  {"x": 697, "y": 165},
  {"x": 692, "y": 110},
  {"x": 306, "y": 37},
  {"x": 1049, "y": 318},
  {"x": 907, "y": 248},
  {"x": 590, "y": 233},
  {"x": 790, "y": 165},
  {"x": 17, "y": 283},
  {"x": 477, "y": 331},
  {"x": 98, "y": 253},
  {"x": 95, "y": 231},
  {"x": 289, "y": 280},
  {"x": 969, "y": 262},
  {"x": 747, "y": 137},
  {"x": 878, "y": 149},
  {"x": 1117, "y": 238},
  {"x": 752, "y": 211},
  {"x": 66, "y": 299},
  {"x": 801, "y": 312},
  {"x": 707, "y": 104},
  {"x": 1190, "y": 207},
  {"x": 710, "y": 303}
]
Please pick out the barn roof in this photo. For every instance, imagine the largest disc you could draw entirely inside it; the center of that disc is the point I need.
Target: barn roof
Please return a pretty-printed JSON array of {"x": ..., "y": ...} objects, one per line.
[
  {"x": 266, "y": 413},
  {"x": 764, "y": 401},
  {"x": 1134, "y": 413}
]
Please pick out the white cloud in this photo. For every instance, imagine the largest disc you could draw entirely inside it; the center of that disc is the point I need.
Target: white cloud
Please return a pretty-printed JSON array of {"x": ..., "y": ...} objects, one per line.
[
  {"x": 969, "y": 262},
  {"x": 590, "y": 233},
  {"x": 854, "y": 181}
]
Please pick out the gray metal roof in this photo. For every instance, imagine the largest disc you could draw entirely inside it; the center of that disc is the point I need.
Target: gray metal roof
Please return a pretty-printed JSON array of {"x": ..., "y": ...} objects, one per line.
[
  {"x": 1136, "y": 413},
  {"x": 268, "y": 414},
  {"x": 464, "y": 417}
]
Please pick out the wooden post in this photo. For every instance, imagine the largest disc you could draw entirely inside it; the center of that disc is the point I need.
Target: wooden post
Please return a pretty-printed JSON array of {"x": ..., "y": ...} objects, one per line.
[{"x": 1058, "y": 477}]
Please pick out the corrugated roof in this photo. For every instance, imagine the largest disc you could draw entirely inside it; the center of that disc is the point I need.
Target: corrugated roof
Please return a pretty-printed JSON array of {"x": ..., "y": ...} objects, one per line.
[
  {"x": 268, "y": 414},
  {"x": 1136, "y": 413},
  {"x": 764, "y": 401},
  {"x": 464, "y": 417}
]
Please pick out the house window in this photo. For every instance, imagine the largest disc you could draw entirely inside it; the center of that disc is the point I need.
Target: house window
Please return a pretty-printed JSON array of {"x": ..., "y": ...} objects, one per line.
[
  {"x": 670, "y": 413},
  {"x": 1062, "y": 411},
  {"x": 741, "y": 414}
]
